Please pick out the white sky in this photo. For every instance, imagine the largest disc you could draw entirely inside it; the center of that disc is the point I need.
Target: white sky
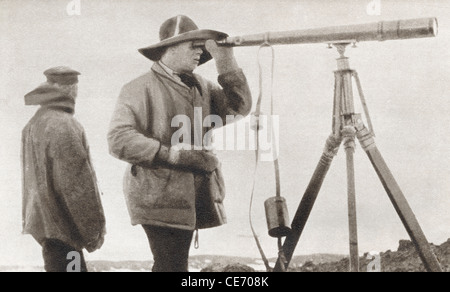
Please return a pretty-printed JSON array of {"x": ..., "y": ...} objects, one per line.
[{"x": 405, "y": 83}]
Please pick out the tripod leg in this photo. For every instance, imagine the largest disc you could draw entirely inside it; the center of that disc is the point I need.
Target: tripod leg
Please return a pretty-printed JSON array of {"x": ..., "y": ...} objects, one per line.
[
  {"x": 307, "y": 202},
  {"x": 349, "y": 135},
  {"x": 399, "y": 201}
]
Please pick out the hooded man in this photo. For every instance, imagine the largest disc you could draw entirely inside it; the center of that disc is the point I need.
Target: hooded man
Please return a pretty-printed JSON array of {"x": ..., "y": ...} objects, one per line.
[
  {"x": 62, "y": 209},
  {"x": 172, "y": 190}
]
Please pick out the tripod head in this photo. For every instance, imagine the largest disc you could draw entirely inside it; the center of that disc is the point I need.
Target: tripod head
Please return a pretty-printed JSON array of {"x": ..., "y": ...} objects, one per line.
[{"x": 343, "y": 96}]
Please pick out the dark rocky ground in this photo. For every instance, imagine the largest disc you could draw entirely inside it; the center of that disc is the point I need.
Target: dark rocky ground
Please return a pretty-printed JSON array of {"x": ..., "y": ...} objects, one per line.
[{"x": 404, "y": 259}]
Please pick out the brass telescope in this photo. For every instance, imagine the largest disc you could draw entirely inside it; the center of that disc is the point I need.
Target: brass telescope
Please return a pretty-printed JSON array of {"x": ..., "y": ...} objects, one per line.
[{"x": 378, "y": 31}]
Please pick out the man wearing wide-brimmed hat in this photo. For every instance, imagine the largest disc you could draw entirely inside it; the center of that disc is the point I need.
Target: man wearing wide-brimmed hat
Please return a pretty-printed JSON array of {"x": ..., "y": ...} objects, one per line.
[
  {"x": 62, "y": 209},
  {"x": 170, "y": 190}
]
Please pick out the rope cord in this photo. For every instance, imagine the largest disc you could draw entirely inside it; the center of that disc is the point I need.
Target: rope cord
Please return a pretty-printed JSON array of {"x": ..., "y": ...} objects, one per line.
[
  {"x": 274, "y": 142},
  {"x": 274, "y": 148}
]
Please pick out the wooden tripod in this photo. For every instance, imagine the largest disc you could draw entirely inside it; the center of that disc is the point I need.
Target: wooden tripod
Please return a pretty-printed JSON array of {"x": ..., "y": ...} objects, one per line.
[{"x": 346, "y": 126}]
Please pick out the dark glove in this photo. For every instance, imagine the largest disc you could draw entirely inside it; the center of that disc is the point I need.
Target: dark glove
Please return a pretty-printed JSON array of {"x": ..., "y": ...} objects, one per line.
[
  {"x": 224, "y": 56},
  {"x": 96, "y": 243},
  {"x": 200, "y": 160}
]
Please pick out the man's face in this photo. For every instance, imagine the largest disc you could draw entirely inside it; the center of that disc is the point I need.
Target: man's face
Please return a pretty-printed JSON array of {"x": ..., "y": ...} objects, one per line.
[
  {"x": 71, "y": 90},
  {"x": 185, "y": 56}
]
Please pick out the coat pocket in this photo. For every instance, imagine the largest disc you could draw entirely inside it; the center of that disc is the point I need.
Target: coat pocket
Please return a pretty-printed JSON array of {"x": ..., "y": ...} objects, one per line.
[
  {"x": 157, "y": 188},
  {"x": 210, "y": 193},
  {"x": 144, "y": 185},
  {"x": 159, "y": 172}
]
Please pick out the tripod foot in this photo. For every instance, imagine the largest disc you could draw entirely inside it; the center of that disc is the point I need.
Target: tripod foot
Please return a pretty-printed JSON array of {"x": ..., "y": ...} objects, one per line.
[
  {"x": 307, "y": 202},
  {"x": 399, "y": 201}
]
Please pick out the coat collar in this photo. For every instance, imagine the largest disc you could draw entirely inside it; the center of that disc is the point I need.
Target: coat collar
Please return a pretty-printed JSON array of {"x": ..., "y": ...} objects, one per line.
[
  {"x": 157, "y": 68},
  {"x": 66, "y": 105}
]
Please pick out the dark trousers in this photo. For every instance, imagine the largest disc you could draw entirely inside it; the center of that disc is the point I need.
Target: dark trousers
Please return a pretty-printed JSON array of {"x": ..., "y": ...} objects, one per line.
[
  {"x": 55, "y": 253},
  {"x": 170, "y": 248}
]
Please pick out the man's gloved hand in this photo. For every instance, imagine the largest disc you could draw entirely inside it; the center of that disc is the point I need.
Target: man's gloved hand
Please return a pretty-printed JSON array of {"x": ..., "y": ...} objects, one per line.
[
  {"x": 181, "y": 156},
  {"x": 224, "y": 56},
  {"x": 96, "y": 244}
]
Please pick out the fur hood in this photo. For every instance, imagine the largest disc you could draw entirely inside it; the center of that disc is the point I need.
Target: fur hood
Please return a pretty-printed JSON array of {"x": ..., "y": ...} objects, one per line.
[{"x": 49, "y": 95}]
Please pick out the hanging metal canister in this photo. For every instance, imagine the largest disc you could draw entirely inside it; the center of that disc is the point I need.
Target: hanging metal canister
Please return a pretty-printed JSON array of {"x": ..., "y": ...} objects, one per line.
[{"x": 277, "y": 217}]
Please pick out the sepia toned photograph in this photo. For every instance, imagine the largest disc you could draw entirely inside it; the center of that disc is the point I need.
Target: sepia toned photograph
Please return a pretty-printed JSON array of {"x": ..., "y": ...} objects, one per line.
[{"x": 225, "y": 136}]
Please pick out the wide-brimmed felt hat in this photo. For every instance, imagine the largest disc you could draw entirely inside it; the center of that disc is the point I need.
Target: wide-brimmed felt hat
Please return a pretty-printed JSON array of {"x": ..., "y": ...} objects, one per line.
[{"x": 180, "y": 29}]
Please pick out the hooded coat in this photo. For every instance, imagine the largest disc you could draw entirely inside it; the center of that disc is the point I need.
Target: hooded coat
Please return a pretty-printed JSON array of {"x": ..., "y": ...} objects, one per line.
[
  {"x": 61, "y": 199},
  {"x": 143, "y": 120}
]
